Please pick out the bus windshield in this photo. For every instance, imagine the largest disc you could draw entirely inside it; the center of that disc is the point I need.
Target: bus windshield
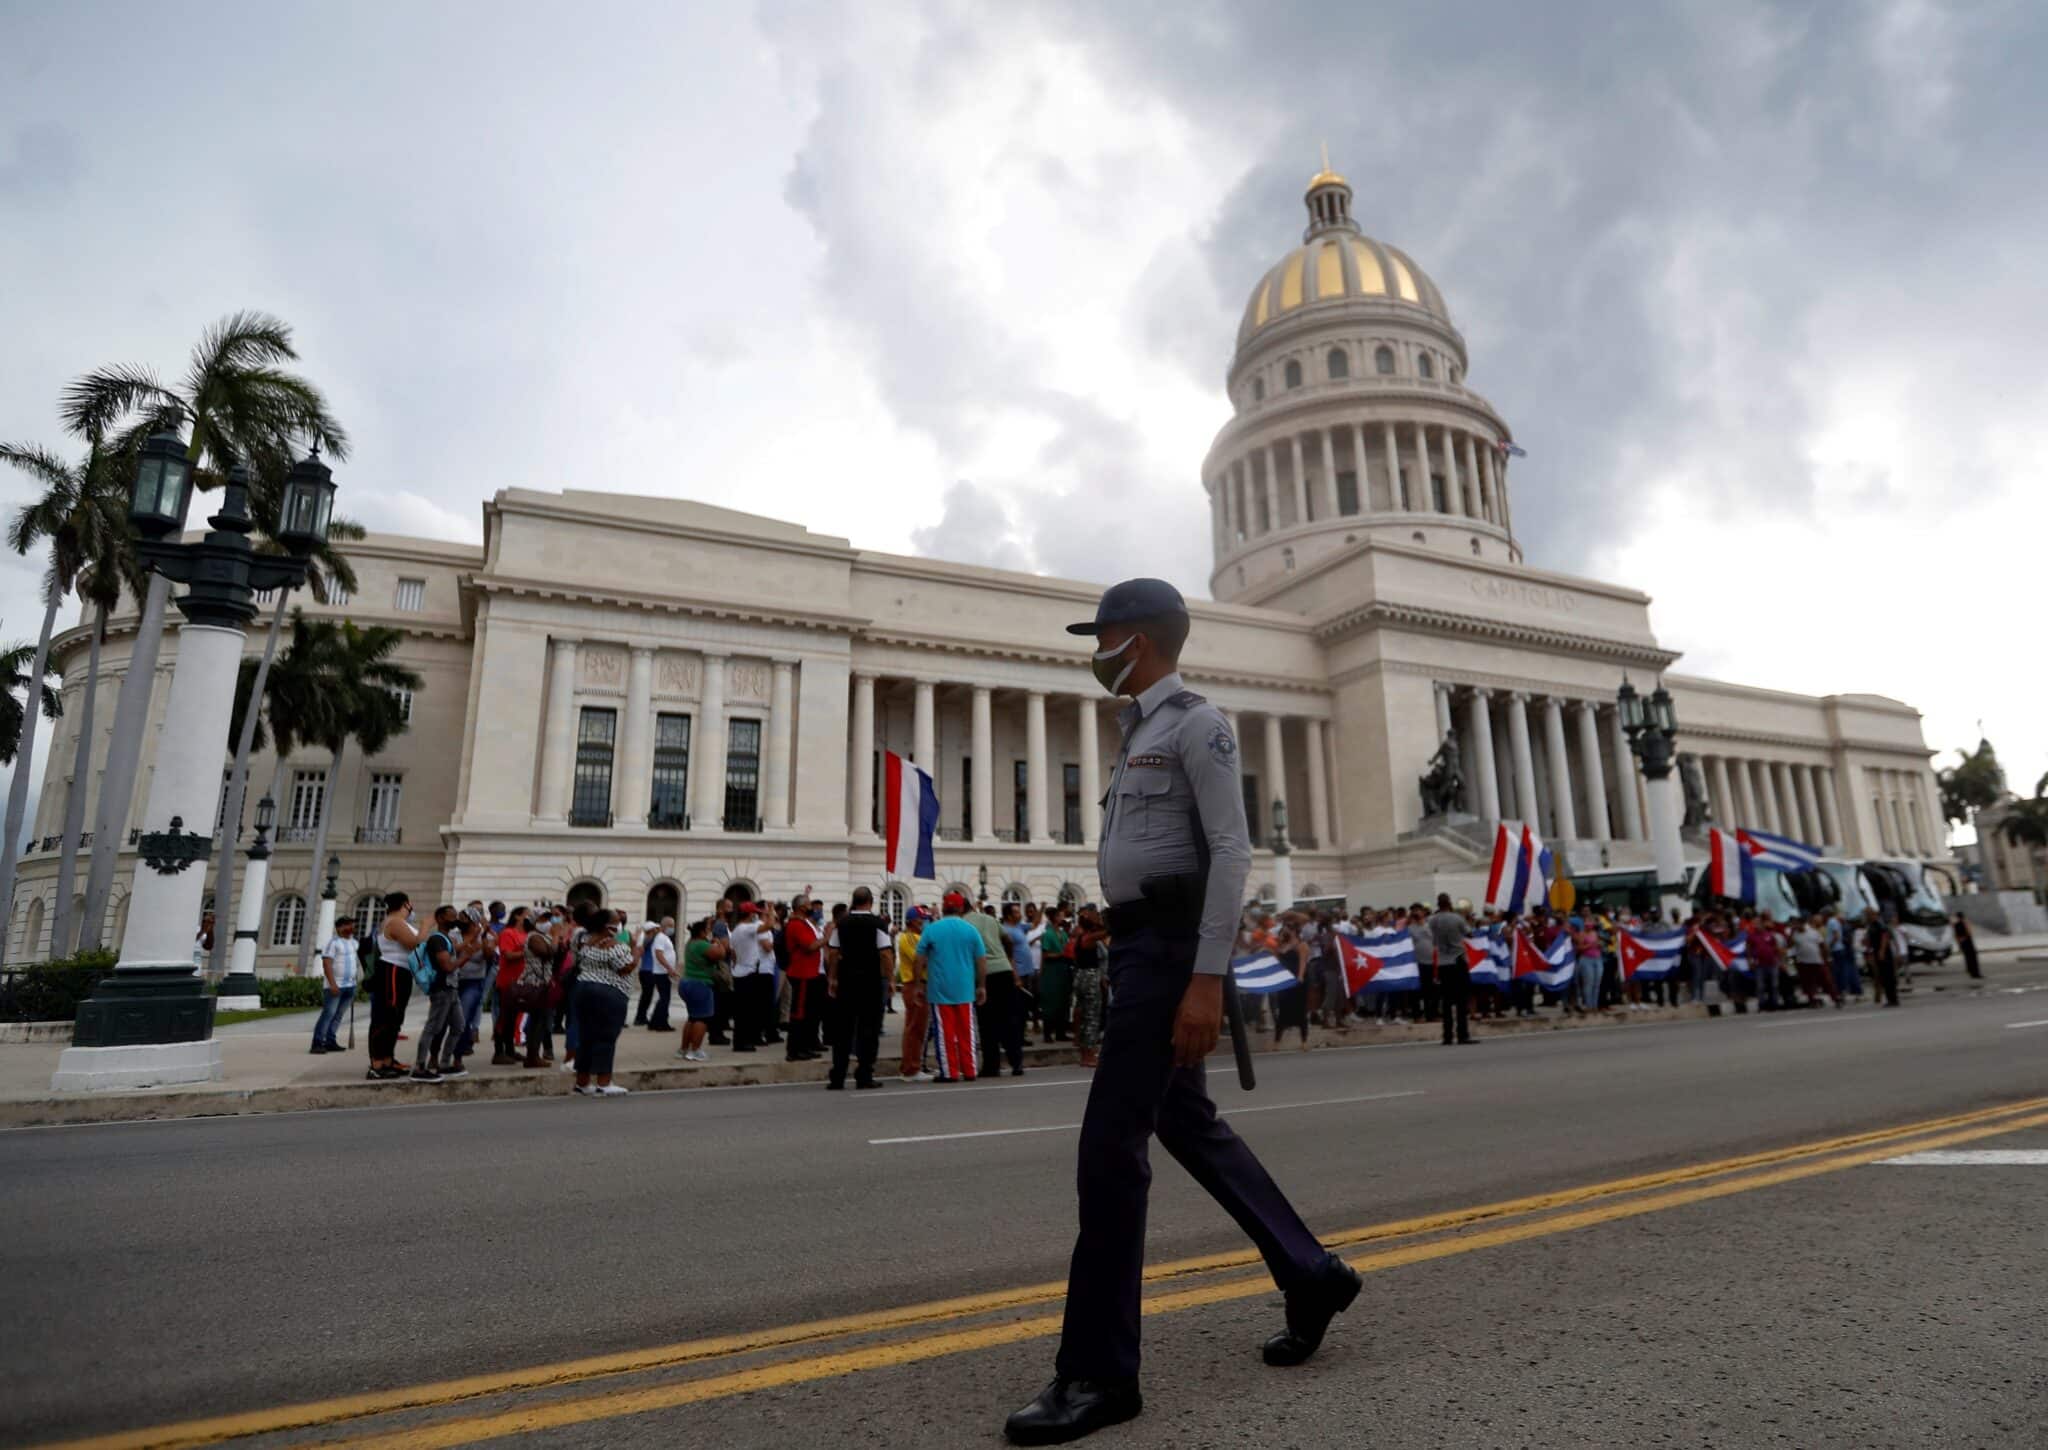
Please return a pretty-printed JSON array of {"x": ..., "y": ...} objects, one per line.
[
  {"x": 1787, "y": 894},
  {"x": 1915, "y": 899},
  {"x": 1847, "y": 880}
]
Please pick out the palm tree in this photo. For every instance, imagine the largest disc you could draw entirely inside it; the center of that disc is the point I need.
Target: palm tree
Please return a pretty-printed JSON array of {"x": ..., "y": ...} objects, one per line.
[
  {"x": 241, "y": 406},
  {"x": 2025, "y": 822},
  {"x": 14, "y": 667},
  {"x": 68, "y": 516},
  {"x": 363, "y": 685}
]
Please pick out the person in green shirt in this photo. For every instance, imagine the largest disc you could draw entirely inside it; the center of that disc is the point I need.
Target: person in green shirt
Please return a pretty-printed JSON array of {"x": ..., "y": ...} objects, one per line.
[
  {"x": 1002, "y": 1015},
  {"x": 700, "y": 970},
  {"x": 1056, "y": 977}
]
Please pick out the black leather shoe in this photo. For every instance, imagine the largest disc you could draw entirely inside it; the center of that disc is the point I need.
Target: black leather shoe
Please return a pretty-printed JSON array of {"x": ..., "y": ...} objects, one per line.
[
  {"x": 1310, "y": 1309},
  {"x": 1068, "y": 1409}
]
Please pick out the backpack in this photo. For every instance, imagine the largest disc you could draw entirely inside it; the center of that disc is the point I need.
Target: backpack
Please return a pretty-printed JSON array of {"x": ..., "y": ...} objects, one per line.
[
  {"x": 367, "y": 959},
  {"x": 422, "y": 961}
]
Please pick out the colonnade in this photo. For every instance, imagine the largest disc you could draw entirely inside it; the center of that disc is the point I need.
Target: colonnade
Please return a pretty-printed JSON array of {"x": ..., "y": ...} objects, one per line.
[
  {"x": 1573, "y": 781},
  {"x": 1293, "y": 478},
  {"x": 1785, "y": 797},
  {"x": 1906, "y": 810}
]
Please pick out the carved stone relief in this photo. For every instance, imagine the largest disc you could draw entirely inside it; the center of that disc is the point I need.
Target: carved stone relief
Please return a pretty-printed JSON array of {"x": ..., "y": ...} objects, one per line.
[
  {"x": 748, "y": 681},
  {"x": 603, "y": 664},
  {"x": 677, "y": 674}
]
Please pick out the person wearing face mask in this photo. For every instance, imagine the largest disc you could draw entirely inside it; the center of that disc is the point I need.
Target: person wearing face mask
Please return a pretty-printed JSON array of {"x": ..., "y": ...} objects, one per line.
[{"x": 1173, "y": 859}]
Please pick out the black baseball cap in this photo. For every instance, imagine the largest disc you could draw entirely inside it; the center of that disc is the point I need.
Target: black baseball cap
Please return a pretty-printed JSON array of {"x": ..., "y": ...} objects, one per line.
[{"x": 1132, "y": 601}]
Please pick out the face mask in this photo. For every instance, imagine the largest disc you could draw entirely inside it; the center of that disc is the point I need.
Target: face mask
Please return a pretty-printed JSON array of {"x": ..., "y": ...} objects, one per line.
[{"x": 1106, "y": 673}]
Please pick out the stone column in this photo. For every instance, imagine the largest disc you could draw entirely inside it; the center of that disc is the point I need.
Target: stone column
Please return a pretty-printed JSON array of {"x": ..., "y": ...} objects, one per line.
[
  {"x": 1788, "y": 803},
  {"x": 1830, "y": 821},
  {"x": 1239, "y": 489},
  {"x": 1625, "y": 781},
  {"x": 1454, "y": 496},
  {"x": 1589, "y": 767},
  {"x": 862, "y": 750},
  {"x": 1809, "y": 803},
  {"x": 1561, "y": 803},
  {"x": 775, "y": 770},
  {"x": 1395, "y": 499},
  {"x": 1744, "y": 804},
  {"x": 1504, "y": 758},
  {"x": 1479, "y": 725},
  {"x": 1300, "y": 481},
  {"x": 1329, "y": 476},
  {"x": 1525, "y": 762},
  {"x": 1088, "y": 725},
  {"x": 1272, "y": 487},
  {"x": 1475, "y": 505},
  {"x": 635, "y": 786},
  {"x": 558, "y": 734},
  {"x": 1319, "y": 783},
  {"x": 1276, "y": 765},
  {"x": 1034, "y": 769},
  {"x": 1488, "y": 490},
  {"x": 1425, "y": 499},
  {"x": 1358, "y": 468},
  {"x": 1442, "y": 692},
  {"x": 707, "y": 749},
  {"x": 923, "y": 732},
  {"x": 982, "y": 797}
]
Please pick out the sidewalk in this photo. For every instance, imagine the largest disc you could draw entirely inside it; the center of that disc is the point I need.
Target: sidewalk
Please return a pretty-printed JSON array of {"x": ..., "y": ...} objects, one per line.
[{"x": 270, "y": 1070}]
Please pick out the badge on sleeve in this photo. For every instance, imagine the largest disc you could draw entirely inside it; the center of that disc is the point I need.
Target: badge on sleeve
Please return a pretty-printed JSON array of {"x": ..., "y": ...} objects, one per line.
[{"x": 1221, "y": 745}]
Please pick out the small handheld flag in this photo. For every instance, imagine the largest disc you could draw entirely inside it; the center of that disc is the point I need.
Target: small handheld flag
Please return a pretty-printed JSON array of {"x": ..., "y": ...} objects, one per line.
[
  {"x": 1649, "y": 956},
  {"x": 1487, "y": 957},
  {"x": 1733, "y": 856},
  {"x": 1729, "y": 956},
  {"x": 911, "y": 819},
  {"x": 1380, "y": 961},
  {"x": 1261, "y": 972},
  {"x": 1521, "y": 869},
  {"x": 1553, "y": 968}
]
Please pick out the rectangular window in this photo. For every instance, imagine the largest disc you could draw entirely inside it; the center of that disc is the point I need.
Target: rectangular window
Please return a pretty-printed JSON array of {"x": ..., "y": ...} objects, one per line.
[
  {"x": 1436, "y": 493},
  {"x": 590, "y": 799},
  {"x": 743, "y": 776},
  {"x": 1020, "y": 825},
  {"x": 412, "y": 595},
  {"x": 875, "y": 814},
  {"x": 404, "y": 698},
  {"x": 309, "y": 795},
  {"x": 966, "y": 797},
  {"x": 220, "y": 813},
  {"x": 1250, "y": 783},
  {"x": 1070, "y": 784},
  {"x": 338, "y": 596},
  {"x": 1347, "y": 492},
  {"x": 266, "y": 596},
  {"x": 1265, "y": 518},
  {"x": 667, "y": 808},
  {"x": 380, "y": 817}
]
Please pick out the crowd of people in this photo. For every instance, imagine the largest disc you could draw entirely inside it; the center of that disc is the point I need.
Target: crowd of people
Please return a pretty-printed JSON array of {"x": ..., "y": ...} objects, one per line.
[{"x": 975, "y": 982}]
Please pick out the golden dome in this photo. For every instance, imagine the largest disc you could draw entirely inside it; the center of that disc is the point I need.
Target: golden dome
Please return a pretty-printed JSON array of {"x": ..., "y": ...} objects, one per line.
[
  {"x": 1326, "y": 177},
  {"x": 1338, "y": 266}
]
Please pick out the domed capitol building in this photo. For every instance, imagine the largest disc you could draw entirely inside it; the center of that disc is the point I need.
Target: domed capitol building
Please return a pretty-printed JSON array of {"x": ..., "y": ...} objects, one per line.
[{"x": 718, "y": 727}]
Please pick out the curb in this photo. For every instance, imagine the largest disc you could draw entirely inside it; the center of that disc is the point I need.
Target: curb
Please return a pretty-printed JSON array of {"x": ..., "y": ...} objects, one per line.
[{"x": 492, "y": 1087}]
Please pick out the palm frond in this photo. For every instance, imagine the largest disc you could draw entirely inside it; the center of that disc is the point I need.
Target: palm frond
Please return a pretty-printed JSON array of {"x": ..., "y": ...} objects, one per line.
[{"x": 94, "y": 402}]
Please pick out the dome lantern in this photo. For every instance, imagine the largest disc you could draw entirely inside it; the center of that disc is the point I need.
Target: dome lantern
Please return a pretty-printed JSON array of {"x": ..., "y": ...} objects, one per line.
[{"x": 1329, "y": 202}]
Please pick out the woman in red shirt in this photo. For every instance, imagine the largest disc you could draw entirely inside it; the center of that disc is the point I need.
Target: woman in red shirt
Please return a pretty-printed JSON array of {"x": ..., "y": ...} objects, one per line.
[
  {"x": 806, "y": 980},
  {"x": 511, "y": 962}
]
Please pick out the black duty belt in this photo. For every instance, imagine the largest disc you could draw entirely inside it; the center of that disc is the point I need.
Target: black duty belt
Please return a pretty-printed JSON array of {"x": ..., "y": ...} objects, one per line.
[{"x": 1147, "y": 915}]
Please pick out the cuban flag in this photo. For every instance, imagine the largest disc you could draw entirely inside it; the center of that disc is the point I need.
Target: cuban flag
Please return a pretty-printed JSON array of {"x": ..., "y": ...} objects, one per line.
[
  {"x": 1733, "y": 856},
  {"x": 1554, "y": 968},
  {"x": 1729, "y": 956},
  {"x": 1520, "y": 874},
  {"x": 1380, "y": 961},
  {"x": 911, "y": 820},
  {"x": 1782, "y": 852},
  {"x": 1508, "y": 448},
  {"x": 1487, "y": 957},
  {"x": 1261, "y": 972},
  {"x": 1650, "y": 956}
]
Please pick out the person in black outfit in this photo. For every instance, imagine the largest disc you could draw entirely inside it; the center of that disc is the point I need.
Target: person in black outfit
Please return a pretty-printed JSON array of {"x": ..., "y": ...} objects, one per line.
[
  {"x": 1966, "y": 942},
  {"x": 860, "y": 962},
  {"x": 1447, "y": 932},
  {"x": 1881, "y": 948}
]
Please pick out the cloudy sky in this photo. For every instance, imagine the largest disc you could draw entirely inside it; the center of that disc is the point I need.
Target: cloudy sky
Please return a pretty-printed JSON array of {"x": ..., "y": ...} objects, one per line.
[{"x": 1758, "y": 286}]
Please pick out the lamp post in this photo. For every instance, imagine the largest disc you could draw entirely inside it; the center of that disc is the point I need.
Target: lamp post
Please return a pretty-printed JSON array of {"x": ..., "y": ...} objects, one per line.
[
  {"x": 329, "y": 890},
  {"x": 1283, "y": 859},
  {"x": 1652, "y": 728},
  {"x": 238, "y": 990},
  {"x": 150, "y": 1020},
  {"x": 981, "y": 878}
]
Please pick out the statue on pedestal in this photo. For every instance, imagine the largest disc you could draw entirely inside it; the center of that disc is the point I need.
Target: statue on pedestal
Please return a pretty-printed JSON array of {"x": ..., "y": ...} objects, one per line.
[
  {"x": 1698, "y": 812},
  {"x": 1443, "y": 785}
]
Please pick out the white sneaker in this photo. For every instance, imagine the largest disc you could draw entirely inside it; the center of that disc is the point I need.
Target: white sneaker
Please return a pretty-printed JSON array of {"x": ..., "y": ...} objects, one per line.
[
  {"x": 584, "y": 1092},
  {"x": 700, "y": 1055},
  {"x": 917, "y": 1077},
  {"x": 611, "y": 1090}
]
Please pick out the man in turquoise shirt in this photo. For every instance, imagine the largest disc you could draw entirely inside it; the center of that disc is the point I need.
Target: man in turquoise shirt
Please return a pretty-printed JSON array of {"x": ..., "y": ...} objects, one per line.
[{"x": 955, "y": 971}]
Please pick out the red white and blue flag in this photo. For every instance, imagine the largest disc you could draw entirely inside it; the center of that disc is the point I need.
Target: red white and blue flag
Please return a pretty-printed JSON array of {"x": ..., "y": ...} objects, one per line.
[
  {"x": 1520, "y": 875},
  {"x": 1487, "y": 956},
  {"x": 1650, "y": 956},
  {"x": 1729, "y": 956},
  {"x": 1733, "y": 856},
  {"x": 1554, "y": 968},
  {"x": 911, "y": 818},
  {"x": 1379, "y": 961}
]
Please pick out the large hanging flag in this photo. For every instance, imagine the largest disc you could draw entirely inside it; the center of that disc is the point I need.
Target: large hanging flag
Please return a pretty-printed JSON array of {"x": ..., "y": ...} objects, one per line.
[
  {"x": 1554, "y": 968},
  {"x": 1650, "y": 956},
  {"x": 1487, "y": 957},
  {"x": 1380, "y": 961},
  {"x": 1520, "y": 873},
  {"x": 1780, "y": 851},
  {"x": 911, "y": 818},
  {"x": 1733, "y": 856},
  {"x": 1261, "y": 972},
  {"x": 1729, "y": 956}
]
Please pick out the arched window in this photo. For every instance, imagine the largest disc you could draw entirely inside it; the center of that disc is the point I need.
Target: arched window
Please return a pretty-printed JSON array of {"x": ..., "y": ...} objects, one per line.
[
  {"x": 1293, "y": 373},
  {"x": 1240, "y": 576},
  {"x": 1258, "y": 390},
  {"x": 664, "y": 900},
  {"x": 739, "y": 891},
  {"x": 1339, "y": 363},
  {"x": 894, "y": 901},
  {"x": 1419, "y": 537},
  {"x": 1015, "y": 893},
  {"x": 1287, "y": 560},
  {"x": 1424, "y": 366},
  {"x": 1383, "y": 360},
  {"x": 1475, "y": 548},
  {"x": 32, "y": 931},
  {"x": 288, "y": 920},
  {"x": 586, "y": 893},
  {"x": 1457, "y": 373},
  {"x": 1070, "y": 895},
  {"x": 368, "y": 912}
]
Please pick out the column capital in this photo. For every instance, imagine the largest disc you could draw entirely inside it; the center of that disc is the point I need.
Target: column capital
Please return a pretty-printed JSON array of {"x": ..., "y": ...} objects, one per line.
[
  {"x": 714, "y": 654},
  {"x": 865, "y": 676},
  {"x": 781, "y": 667},
  {"x": 1520, "y": 697},
  {"x": 642, "y": 651}
]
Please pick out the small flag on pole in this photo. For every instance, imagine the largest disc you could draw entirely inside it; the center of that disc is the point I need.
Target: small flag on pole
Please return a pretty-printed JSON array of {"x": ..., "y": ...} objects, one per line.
[
  {"x": 1553, "y": 968},
  {"x": 1380, "y": 961},
  {"x": 1261, "y": 972},
  {"x": 1729, "y": 956},
  {"x": 1486, "y": 956},
  {"x": 1733, "y": 856},
  {"x": 911, "y": 820},
  {"x": 1521, "y": 869}
]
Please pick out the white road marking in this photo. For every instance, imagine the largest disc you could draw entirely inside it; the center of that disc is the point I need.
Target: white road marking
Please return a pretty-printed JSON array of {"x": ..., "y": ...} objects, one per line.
[
  {"x": 2037, "y": 1022},
  {"x": 1070, "y": 1127},
  {"x": 1977, "y": 1157},
  {"x": 1815, "y": 1019}
]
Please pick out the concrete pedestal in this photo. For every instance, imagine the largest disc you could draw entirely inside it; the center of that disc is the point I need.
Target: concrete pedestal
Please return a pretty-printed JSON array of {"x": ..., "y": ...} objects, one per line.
[{"x": 153, "y": 1064}]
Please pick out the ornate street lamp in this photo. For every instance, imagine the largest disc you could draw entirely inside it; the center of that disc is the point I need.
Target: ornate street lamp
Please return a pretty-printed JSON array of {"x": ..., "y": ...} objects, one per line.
[
  {"x": 239, "y": 991},
  {"x": 1652, "y": 729},
  {"x": 150, "y": 1020},
  {"x": 1283, "y": 859},
  {"x": 982, "y": 877}
]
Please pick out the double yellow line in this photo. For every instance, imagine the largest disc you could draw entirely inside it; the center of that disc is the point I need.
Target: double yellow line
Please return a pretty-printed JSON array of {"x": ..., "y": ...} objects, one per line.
[{"x": 1209, "y": 1280}]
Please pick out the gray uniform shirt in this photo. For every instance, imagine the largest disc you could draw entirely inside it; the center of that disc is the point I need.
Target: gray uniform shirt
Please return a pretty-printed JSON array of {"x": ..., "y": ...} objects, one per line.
[
  {"x": 1448, "y": 930},
  {"x": 1178, "y": 767}
]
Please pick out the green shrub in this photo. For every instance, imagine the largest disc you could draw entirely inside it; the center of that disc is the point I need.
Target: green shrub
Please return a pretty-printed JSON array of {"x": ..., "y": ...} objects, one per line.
[
  {"x": 291, "y": 991},
  {"x": 51, "y": 991}
]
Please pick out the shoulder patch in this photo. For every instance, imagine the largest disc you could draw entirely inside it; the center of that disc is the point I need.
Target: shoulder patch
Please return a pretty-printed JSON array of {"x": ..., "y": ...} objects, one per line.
[
  {"x": 1221, "y": 745},
  {"x": 1186, "y": 699}
]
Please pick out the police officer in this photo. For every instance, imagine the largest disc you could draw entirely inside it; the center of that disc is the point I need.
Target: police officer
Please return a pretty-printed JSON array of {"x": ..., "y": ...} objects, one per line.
[{"x": 1173, "y": 862}]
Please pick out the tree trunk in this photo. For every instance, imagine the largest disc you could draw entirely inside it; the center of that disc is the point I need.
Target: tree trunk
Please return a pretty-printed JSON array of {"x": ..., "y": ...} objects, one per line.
[
  {"x": 319, "y": 854},
  {"x": 226, "y": 864},
  {"x": 24, "y": 757},
  {"x": 63, "y": 939},
  {"x": 124, "y": 758}
]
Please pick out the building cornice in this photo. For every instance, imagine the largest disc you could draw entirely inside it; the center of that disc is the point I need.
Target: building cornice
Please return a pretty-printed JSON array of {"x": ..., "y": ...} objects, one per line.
[
  {"x": 576, "y": 591},
  {"x": 559, "y": 508},
  {"x": 1381, "y": 615},
  {"x": 1366, "y": 402}
]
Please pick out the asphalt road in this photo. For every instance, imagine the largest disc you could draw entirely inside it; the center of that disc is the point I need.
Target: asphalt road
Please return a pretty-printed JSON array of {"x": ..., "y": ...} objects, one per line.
[{"x": 158, "y": 1272}]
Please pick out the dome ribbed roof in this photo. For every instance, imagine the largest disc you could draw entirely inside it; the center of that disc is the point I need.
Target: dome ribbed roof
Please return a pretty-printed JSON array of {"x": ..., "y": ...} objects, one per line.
[{"x": 1336, "y": 263}]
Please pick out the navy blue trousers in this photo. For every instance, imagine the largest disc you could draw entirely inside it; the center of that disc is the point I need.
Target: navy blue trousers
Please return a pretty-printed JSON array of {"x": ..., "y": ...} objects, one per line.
[{"x": 1138, "y": 1093}]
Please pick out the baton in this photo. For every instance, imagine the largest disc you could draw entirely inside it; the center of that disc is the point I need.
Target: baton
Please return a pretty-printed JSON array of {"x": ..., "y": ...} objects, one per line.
[{"x": 1233, "y": 1013}]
